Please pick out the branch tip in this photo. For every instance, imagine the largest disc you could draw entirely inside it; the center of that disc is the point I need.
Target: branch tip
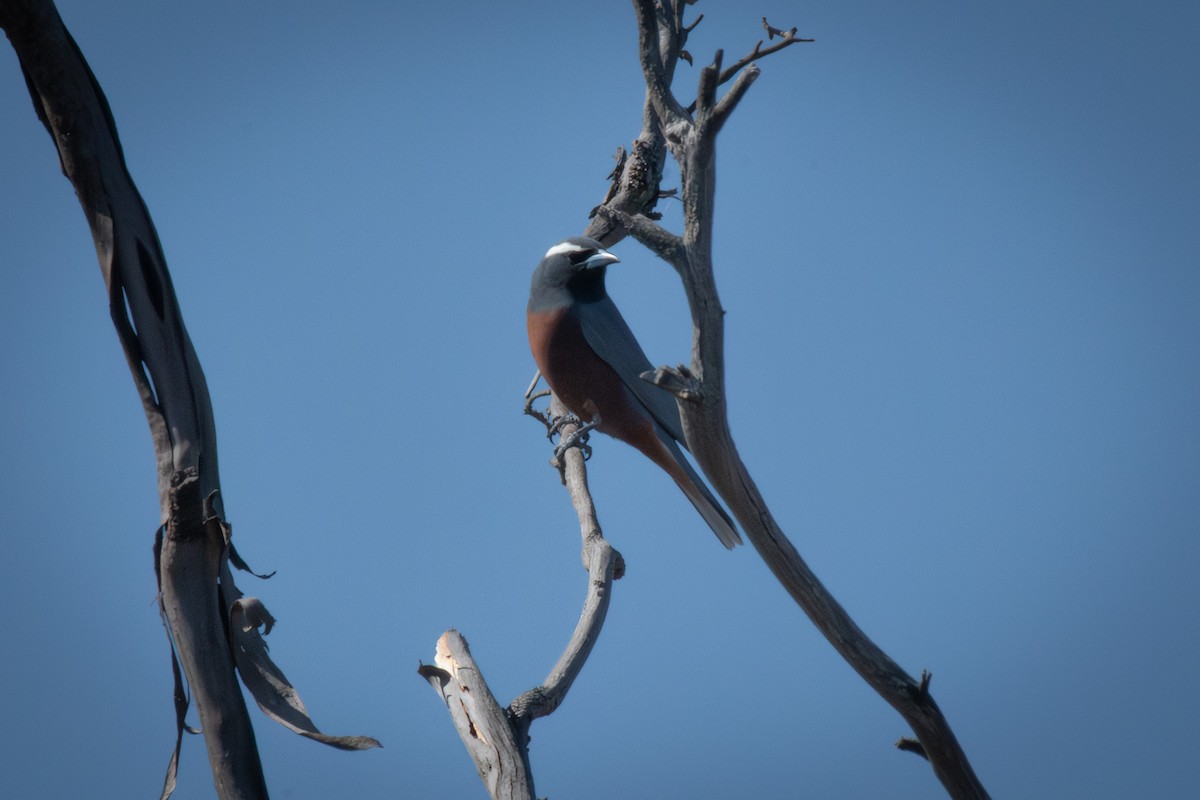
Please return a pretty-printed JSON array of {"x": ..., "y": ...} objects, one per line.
[
  {"x": 912, "y": 746},
  {"x": 926, "y": 677},
  {"x": 677, "y": 380},
  {"x": 789, "y": 36}
]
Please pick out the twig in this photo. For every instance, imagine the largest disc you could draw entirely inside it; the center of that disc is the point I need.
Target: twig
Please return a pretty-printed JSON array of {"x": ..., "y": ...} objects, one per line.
[{"x": 787, "y": 38}]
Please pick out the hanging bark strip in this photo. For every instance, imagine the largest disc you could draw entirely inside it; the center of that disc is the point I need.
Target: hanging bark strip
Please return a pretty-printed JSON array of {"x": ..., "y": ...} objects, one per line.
[{"x": 212, "y": 627}]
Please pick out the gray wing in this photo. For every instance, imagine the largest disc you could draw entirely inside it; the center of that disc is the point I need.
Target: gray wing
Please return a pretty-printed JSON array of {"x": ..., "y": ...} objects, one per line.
[{"x": 608, "y": 334}]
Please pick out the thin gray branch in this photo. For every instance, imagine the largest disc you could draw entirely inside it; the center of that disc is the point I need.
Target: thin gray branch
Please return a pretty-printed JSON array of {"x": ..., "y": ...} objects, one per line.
[
  {"x": 655, "y": 65},
  {"x": 653, "y": 236},
  {"x": 787, "y": 38},
  {"x": 603, "y": 564},
  {"x": 498, "y": 739},
  {"x": 706, "y": 87},
  {"x": 731, "y": 98},
  {"x": 635, "y": 186}
]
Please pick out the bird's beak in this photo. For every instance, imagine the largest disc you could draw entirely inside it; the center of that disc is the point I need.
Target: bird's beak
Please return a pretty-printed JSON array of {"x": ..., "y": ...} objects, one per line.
[{"x": 601, "y": 259}]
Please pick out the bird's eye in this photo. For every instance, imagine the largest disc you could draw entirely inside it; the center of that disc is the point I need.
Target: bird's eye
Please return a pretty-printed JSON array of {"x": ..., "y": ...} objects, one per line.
[{"x": 580, "y": 256}]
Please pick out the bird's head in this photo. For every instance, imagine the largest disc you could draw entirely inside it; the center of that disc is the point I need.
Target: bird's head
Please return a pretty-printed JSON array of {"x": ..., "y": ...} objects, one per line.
[{"x": 575, "y": 266}]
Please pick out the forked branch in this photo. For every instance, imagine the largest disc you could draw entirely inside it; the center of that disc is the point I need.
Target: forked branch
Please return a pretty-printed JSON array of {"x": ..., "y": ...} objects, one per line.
[
  {"x": 496, "y": 738},
  {"x": 700, "y": 389}
]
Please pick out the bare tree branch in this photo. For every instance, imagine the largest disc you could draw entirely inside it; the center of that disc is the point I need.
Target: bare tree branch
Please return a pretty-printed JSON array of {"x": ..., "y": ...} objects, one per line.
[
  {"x": 639, "y": 179},
  {"x": 500, "y": 757},
  {"x": 192, "y": 548},
  {"x": 165, "y": 370},
  {"x": 655, "y": 57},
  {"x": 655, "y": 237},
  {"x": 604, "y": 564},
  {"x": 701, "y": 389},
  {"x": 497, "y": 739},
  {"x": 787, "y": 38},
  {"x": 729, "y": 101}
]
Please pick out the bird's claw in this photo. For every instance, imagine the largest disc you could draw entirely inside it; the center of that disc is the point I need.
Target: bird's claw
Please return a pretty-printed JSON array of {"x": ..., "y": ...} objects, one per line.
[
  {"x": 577, "y": 438},
  {"x": 556, "y": 424}
]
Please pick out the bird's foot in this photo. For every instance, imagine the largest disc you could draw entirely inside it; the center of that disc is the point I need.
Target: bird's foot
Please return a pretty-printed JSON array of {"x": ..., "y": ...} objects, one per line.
[
  {"x": 576, "y": 438},
  {"x": 556, "y": 424}
]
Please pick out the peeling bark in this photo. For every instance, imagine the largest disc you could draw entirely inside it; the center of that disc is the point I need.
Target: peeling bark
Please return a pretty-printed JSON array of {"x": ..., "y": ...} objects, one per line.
[{"x": 197, "y": 595}]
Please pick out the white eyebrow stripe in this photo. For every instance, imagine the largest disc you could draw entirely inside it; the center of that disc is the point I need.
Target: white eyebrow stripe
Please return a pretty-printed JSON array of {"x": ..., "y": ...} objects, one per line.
[{"x": 563, "y": 248}]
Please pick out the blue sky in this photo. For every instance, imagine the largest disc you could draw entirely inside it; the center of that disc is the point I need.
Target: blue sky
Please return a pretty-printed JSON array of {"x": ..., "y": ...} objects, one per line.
[{"x": 958, "y": 248}]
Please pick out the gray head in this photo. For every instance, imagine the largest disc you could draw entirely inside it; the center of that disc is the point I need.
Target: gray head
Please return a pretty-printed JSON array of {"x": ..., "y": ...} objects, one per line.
[{"x": 571, "y": 271}]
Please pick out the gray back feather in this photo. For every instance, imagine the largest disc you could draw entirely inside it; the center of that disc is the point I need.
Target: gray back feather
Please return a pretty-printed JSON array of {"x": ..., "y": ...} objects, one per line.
[{"x": 608, "y": 334}]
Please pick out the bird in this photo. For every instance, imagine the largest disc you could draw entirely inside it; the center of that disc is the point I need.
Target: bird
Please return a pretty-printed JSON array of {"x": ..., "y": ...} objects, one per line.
[{"x": 592, "y": 362}]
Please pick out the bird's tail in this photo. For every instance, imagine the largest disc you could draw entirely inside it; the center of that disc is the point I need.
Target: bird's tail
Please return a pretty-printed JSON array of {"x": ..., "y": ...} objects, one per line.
[{"x": 702, "y": 498}]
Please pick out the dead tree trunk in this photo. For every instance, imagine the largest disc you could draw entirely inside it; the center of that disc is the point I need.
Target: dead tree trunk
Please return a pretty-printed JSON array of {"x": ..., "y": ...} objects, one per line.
[{"x": 212, "y": 627}]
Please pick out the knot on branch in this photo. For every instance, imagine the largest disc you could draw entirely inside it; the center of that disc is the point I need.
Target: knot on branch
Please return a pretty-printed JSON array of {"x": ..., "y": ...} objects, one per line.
[
  {"x": 633, "y": 187},
  {"x": 641, "y": 171},
  {"x": 187, "y": 509},
  {"x": 533, "y": 704},
  {"x": 618, "y": 565},
  {"x": 597, "y": 549},
  {"x": 677, "y": 380},
  {"x": 184, "y": 479},
  {"x": 676, "y": 132}
]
